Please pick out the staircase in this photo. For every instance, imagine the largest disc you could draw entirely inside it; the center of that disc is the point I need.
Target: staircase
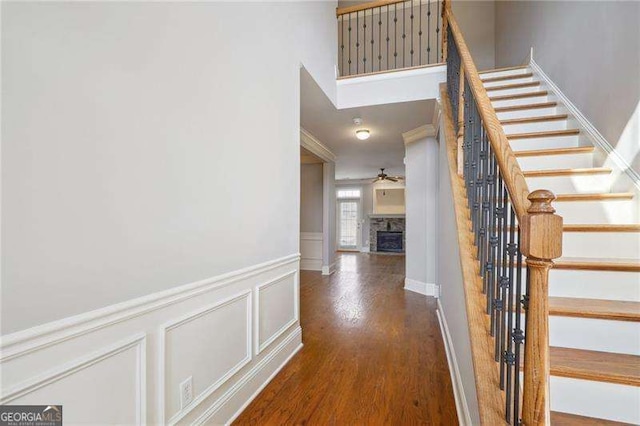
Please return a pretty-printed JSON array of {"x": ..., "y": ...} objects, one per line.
[{"x": 594, "y": 288}]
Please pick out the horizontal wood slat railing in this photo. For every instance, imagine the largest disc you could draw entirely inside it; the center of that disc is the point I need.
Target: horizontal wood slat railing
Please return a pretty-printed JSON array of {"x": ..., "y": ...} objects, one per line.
[{"x": 514, "y": 231}]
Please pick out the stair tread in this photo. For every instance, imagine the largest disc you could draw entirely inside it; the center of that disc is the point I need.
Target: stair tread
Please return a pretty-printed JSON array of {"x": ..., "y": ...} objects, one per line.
[
  {"x": 527, "y": 106},
  {"x": 597, "y": 264},
  {"x": 566, "y": 419},
  {"x": 565, "y": 172},
  {"x": 544, "y": 134},
  {"x": 513, "y": 86},
  {"x": 594, "y": 197},
  {"x": 596, "y": 366},
  {"x": 542, "y": 118},
  {"x": 518, "y": 96},
  {"x": 517, "y": 67},
  {"x": 506, "y": 77},
  {"x": 608, "y": 227},
  {"x": 594, "y": 308},
  {"x": 555, "y": 151}
]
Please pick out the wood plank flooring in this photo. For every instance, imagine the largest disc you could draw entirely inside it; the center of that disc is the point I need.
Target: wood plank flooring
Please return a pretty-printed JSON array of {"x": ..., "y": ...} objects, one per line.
[{"x": 372, "y": 354}]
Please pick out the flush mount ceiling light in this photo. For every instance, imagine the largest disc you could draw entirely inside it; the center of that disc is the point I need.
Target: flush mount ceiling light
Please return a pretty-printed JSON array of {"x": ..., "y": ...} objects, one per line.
[{"x": 363, "y": 134}]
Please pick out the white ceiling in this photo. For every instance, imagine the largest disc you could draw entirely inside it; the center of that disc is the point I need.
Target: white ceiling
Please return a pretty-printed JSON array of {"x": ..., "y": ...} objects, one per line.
[{"x": 358, "y": 159}]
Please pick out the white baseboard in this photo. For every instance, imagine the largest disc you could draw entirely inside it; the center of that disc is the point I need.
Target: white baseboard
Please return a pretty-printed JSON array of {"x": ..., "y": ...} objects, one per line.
[
  {"x": 311, "y": 264},
  {"x": 365, "y": 249},
  {"x": 329, "y": 269},
  {"x": 428, "y": 289},
  {"x": 464, "y": 417},
  {"x": 586, "y": 125},
  {"x": 280, "y": 353}
]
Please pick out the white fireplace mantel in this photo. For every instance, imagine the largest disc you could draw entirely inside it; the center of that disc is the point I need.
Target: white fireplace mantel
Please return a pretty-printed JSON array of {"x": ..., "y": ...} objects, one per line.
[{"x": 386, "y": 216}]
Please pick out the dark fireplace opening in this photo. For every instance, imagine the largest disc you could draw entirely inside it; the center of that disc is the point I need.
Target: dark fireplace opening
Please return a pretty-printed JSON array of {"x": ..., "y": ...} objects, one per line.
[{"x": 390, "y": 241}]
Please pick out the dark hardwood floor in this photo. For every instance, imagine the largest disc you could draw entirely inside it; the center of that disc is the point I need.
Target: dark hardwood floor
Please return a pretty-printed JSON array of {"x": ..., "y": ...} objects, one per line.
[{"x": 372, "y": 355}]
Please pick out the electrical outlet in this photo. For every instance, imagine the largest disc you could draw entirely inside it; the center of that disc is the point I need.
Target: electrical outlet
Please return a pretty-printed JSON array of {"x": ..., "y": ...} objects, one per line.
[{"x": 186, "y": 392}]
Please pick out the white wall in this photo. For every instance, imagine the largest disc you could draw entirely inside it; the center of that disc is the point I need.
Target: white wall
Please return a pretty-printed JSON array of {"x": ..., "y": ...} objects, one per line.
[
  {"x": 421, "y": 163},
  {"x": 311, "y": 211},
  {"x": 591, "y": 50},
  {"x": 452, "y": 297},
  {"x": 311, "y": 198},
  {"x": 476, "y": 20},
  {"x": 329, "y": 222},
  {"x": 130, "y": 186}
]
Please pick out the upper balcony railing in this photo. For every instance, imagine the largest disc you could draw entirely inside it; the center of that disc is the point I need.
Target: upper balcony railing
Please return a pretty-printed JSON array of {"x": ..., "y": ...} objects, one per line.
[{"x": 389, "y": 35}]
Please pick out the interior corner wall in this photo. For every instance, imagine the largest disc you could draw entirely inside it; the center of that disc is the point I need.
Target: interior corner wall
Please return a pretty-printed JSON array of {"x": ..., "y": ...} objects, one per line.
[
  {"x": 452, "y": 295},
  {"x": 591, "y": 51},
  {"x": 476, "y": 20},
  {"x": 421, "y": 168},
  {"x": 311, "y": 197},
  {"x": 329, "y": 219}
]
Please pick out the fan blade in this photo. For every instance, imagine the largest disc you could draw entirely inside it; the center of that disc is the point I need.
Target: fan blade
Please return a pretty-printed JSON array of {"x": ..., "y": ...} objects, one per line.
[
  {"x": 375, "y": 180},
  {"x": 391, "y": 179}
]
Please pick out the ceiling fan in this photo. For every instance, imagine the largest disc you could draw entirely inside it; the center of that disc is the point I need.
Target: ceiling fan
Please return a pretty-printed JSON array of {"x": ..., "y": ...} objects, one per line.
[{"x": 382, "y": 176}]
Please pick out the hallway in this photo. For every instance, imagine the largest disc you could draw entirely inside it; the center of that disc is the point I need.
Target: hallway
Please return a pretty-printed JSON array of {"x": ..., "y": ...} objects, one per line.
[{"x": 373, "y": 353}]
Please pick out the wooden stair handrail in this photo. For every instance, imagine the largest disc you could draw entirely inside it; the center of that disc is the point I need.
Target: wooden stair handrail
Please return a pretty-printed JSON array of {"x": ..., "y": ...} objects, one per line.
[
  {"x": 365, "y": 6},
  {"x": 511, "y": 173}
]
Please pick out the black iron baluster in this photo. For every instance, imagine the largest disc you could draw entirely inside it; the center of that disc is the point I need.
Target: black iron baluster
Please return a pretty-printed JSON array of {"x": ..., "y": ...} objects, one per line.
[
  {"x": 438, "y": 30},
  {"x": 357, "y": 42},
  {"x": 372, "y": 36},
  {"x": 349, "y": 62},
  {"x": 420, "y": 36},
  {"x": 364, "y": 41},
  {"x": 518, "y": 332},
  {"x": 404, "y": 34},
  {"x": 395, "y": 36},
  {"x": 429, "y": 32},
  {"x": 380, "y": 39},
  {"x": 341, "y": 40},
  {"x": 388, "y": 38},
  {"x": 513, "y": 251},
  {"x": 411, "y": 17}
]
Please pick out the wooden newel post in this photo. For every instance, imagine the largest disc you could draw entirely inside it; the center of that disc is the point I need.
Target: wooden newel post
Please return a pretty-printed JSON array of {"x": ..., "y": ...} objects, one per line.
[{"x": 541, "y": 243}]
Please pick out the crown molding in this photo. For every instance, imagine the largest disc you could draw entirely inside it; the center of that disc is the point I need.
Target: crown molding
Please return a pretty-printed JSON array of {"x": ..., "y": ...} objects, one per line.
[
  {"x": 311, "y": 143},
  {"x": 428, "y": 130}
]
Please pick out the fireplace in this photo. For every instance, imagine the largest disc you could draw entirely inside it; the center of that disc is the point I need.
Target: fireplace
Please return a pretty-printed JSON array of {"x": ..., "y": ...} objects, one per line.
[{"x": 390, "y": 241}]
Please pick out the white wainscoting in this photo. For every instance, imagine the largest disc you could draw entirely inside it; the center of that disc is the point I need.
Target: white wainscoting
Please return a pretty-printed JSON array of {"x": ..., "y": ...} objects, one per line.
[
  {"x": 123, "y": 364},
  {"x": 311, "y": 251}
]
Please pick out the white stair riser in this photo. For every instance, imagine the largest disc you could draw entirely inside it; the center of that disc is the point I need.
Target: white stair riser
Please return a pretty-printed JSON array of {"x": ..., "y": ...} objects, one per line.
[
  {"x": 575, "y": 184},
  {"x": 512, "y": 91},
  {"x": 611, "y": 285},
  {"x": 550, "y": 162},
  {"x": 533, "y": 112},
  {"x": 544, "y": 143},
  {"x": 505, "y": 73},
  {"x": 541, "y": 126},
  {"x": 600, "y": 400},
  {"x": 608, "y": 245},
  {"x": 520, "y": 101},
  {"x": 490, "y": 84},
  {"x": 595, "y": 334},
  {"x": 588, "y": 212}
]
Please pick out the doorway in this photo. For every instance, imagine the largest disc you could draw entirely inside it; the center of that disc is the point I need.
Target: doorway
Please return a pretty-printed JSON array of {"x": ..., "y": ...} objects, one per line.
[{"x": 349, "y": 219}]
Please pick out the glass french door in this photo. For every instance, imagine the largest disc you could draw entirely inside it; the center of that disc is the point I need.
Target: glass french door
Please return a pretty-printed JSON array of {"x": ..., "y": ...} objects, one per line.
[{"x": 349, "y": 224}]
